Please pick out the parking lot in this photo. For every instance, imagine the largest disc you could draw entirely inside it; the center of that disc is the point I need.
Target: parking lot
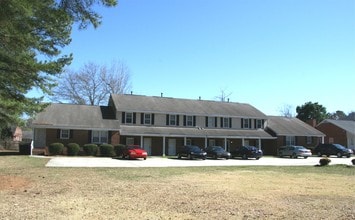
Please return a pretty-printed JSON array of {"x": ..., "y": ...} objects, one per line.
[{"x": 173, "y": 162}]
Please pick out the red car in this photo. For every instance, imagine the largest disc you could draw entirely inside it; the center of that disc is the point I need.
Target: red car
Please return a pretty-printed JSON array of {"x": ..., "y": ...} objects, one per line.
[{"x": 134, "y": 152}]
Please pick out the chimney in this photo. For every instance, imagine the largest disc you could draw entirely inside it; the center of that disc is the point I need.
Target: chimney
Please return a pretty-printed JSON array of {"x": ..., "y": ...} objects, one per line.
[
  {"x": 312, "y": 122},
  {"x": 161, "y": 94}
]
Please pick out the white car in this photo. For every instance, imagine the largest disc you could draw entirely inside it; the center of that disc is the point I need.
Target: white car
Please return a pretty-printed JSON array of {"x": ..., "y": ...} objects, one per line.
[{"x": 294, "y": 151}]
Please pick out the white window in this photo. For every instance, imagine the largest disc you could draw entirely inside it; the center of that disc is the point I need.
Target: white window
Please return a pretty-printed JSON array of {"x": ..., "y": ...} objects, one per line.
[
  {"x": 246, "y": 123},
  {"x": 129, "y": 118},
  {"x": 64, "y": 134},
  {"x": 189, "y": 120},
  {"x": 309, "y": 140},
  {"x": 211, "y": 122},
  {"x": 290, "y": 140},
  {"x": 172, "y": 120},
  {"x": 226, "y": 122},
  {"x": 147, "y": 119},
  {"x": 99, "y": 137},
  {"x": 259, "y": 123}
]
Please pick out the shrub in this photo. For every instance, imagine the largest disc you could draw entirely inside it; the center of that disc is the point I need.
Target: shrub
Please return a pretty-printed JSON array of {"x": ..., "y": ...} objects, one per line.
[
  {"x": 324, "y": 161},
  {"x": 106, "y": 150},
  {"x": 90, "y": 149},
  {"x": 73, "y": 149},
  {"x": 56, "y": 148},
  {"x": 353, "y": 161},
  {"x": 119, "y": 149}
]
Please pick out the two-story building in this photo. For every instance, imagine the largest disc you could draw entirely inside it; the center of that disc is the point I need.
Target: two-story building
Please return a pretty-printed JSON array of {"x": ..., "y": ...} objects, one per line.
[{"x": 159, "y": 124}]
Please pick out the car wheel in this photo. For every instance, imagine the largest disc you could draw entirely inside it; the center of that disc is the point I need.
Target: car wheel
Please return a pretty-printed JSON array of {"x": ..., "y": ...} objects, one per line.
[
  {"x": 179, "y": 156},
  {"x": 145, "y": 158},
  {"x": 257, "y": 158},
  {"x": 190, "y": 157},
  {"x": 280, "y": 155},
  {"x": 215, "y": 157},
  {"x": 348, "y": 156},
  {"x": 294, "y": 155},
  {"x": 339, "y": 155},
  {"x": 244, "y": 157},
  {"x": 305, "y": 157},
  {"x": 319, "y": 154}
]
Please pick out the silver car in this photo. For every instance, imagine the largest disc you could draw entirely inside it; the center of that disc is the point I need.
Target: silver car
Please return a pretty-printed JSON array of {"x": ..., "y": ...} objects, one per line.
[{"x": 294, "y": 151}]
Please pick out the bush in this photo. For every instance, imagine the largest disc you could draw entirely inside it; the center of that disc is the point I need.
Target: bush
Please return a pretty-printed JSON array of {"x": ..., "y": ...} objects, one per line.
[
  {"x": 353, "y": 161},
  {"x": 90, "y": 149},
  {"x": 106, "y": 150},
  {"x": 119, "y": 149},
  {"x": 56, "y": 148},
  {"x": 73, "y": 149},
  {"x": 324, "y": 161}
]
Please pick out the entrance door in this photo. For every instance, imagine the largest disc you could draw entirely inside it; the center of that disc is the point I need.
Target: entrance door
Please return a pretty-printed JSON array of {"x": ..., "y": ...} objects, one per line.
[
  {"x": 172, "y": 147},
  {"x": 147, "y": 145}
]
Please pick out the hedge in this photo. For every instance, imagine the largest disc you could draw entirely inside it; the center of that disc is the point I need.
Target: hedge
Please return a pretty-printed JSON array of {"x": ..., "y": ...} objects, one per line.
[
  {"x": 90, "y": 149},
  {"x": 106, "y": 150},
  {"x": 73, "y": 149},
  {"x": 55, "y": 149}
]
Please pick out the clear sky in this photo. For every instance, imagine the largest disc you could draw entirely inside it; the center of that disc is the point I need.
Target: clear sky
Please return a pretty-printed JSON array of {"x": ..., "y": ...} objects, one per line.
[{"x": 268, "y": 53}]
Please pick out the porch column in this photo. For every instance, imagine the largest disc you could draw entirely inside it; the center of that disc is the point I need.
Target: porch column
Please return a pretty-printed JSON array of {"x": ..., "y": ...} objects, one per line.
[
  {"x": 322, "y": 139},
  {"x": 142, "y": 144},
  {"x": 259, "y": 140},
  {"x": 205, "y": 142},
  {"x": 184, "y": 140},
  {"x": 225, "y": 143},
  {"x": 163, "y": 146},
  {"x": 243, "y": 143}
]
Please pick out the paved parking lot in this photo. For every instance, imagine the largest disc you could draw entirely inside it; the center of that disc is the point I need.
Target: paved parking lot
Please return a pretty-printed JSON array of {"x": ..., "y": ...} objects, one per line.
[{"x": 166, "y": 162}]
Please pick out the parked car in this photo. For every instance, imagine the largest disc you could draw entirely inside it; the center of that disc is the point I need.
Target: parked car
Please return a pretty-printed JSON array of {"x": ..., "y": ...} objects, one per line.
[
  {"x": 217, "y": 152},
  {"x": 294, "y": 151},
  {"x": 134, "y": 152},
  {"x": 332, "y": 149},
  {"x": 246, "y": 152},
  {"x": 191, "y": 152}
]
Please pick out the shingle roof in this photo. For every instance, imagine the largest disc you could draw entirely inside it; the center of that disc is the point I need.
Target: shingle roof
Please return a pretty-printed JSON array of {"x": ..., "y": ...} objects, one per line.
[
  {"x": 284, "y": 126},
  {"x": 193, "y": 132},
  {"x": 74, "y": 116},
  {"x": 348, "y": 126},
  {"x": 153, "y": 104}
]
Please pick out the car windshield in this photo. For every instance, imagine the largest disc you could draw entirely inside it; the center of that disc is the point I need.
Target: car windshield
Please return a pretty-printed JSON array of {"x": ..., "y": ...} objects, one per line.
[
  {"x": 251, "y": 148},
  {"x": 300, "y": 148},
  {"x": 341, "y": 147},
  {"x": 217, "y": 148},
  {"x": 194, "y": 148},
  {"x": 131, "y": 147}
]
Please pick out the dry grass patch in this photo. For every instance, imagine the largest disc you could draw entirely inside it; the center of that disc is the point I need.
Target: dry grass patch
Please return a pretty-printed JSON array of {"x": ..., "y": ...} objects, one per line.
[{"x": 175, "y": 193}]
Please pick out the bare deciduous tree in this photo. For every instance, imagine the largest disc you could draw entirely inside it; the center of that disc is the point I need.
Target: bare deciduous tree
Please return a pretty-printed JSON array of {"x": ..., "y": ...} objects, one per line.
[
  {"x": 92, "y": 84},
  {"x": 286, "y": 111}
]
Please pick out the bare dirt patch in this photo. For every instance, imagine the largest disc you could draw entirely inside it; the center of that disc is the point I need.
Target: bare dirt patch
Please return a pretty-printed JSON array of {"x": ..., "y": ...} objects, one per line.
[{"x": 13, "y": 182}]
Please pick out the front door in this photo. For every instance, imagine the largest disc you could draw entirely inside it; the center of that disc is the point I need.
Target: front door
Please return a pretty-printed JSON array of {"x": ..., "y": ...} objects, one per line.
[
  {"x": 147, "y": 145},
  {"x": 172, "y": 147}
]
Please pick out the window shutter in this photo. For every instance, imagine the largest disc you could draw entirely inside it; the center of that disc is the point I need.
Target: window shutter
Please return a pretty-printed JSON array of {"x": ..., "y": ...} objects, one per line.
[
  {"x": 249, "y": 123},
  {"x": 89, "y": 136},
  {"x": 221, "y": 122},
  {"x": 134, "y": 118},
  {"x": 58, "y": 133},
  {"x": 70, "y": 134},
  {"x": 242, "y": 122},
  {"x": 177, "y": 120},
  {"x": 215, "y": 122},
  {"x": 262, "y": 123},
  {"x": 152, "y": 119},
  {"x": 167, "y": 119},
  {"x": 255, "y": 123},
  {"x": 123, "y": 117},
  {"x": 184, "y": 120},
  {"x": 142, "y": 118},
  {"x": 194, "y": 123},
  {"x": 206, "y": 122},
  {"x": 230, "y": 122}
]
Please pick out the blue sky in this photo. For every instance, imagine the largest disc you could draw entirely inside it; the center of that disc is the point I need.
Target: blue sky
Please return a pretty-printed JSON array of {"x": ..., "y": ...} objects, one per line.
[{"x": 268, "y": 53}]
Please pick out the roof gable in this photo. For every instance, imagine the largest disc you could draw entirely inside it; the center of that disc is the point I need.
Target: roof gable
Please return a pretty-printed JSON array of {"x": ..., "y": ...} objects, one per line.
[
  {"x": 348, "y": 126},
  {"x": 153, "y": 104},
  {"x": 285, "y": 126}
]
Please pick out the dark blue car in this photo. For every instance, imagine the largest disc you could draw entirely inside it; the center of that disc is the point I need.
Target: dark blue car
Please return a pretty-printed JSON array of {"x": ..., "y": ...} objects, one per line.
[
  {"x": 191, "y": 152},
  {"x": 246, "y": 152}
]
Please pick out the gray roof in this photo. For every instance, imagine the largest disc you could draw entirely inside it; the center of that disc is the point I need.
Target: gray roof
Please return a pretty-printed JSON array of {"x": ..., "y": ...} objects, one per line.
[
  {"x": 285, "y": 126},
  {"x": 348, "y": 126},
  {"x": 71, "y": 116},
  {"x": 193, "y": 132},
  {"x": 153, "y": 104}
]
